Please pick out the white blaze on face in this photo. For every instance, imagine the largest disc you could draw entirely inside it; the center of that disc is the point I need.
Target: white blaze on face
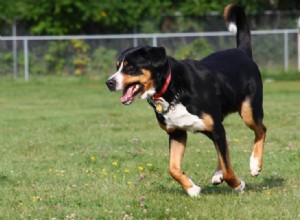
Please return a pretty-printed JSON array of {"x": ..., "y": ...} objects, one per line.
[{"x": 118, "y": 77}]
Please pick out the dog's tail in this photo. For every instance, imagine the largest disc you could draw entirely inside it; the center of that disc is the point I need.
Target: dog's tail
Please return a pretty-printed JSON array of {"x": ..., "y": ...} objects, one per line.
[{"x": 236, "y": 22}]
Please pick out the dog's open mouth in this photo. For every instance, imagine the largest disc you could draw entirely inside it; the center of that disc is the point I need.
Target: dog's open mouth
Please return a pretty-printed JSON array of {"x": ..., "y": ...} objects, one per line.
[{"x": 130, "y": 93}]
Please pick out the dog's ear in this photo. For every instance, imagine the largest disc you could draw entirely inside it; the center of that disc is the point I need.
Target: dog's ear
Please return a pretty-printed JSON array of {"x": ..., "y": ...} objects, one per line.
[{"x": 157, "y": 56}]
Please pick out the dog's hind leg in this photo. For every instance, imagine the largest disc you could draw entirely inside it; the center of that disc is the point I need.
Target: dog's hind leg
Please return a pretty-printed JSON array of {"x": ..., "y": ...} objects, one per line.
[
  {"x": 177, "y": 142},
  {"x": 252, "y": 114},
  {"x": 218, "y": 136}
]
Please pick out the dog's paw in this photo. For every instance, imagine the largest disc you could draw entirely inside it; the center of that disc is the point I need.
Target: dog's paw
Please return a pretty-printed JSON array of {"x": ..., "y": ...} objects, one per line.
[
  {"x": 241, "y": 188},
  {"x": 194, "y": 191},
  {"x": 217, "y": 177},
  {"x": 254, "y": 166}
]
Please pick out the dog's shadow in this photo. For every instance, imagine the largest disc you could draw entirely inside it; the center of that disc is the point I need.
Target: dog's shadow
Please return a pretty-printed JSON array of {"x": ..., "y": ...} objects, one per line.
[{"x": 266, "y": 183}]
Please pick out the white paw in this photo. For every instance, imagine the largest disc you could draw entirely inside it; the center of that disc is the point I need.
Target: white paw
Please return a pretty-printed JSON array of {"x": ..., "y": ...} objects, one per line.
[
  {"x": 254, "y": 166},
  {"x": 217, "y": 177},
  {"x": 194, "y": 191},
  {"x": 241, "y": 188}
]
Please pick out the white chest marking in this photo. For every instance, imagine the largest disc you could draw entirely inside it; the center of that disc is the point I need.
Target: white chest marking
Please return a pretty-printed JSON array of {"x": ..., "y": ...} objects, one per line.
[{"x": 179, "y": 117}]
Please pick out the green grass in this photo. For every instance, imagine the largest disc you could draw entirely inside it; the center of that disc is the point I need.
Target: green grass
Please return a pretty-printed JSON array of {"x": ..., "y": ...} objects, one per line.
[{"x": 70, "y": 150}]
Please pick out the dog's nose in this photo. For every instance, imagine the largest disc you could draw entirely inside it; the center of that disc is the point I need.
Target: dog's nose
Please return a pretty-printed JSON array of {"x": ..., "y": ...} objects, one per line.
[{"x": 111, "y": 84}]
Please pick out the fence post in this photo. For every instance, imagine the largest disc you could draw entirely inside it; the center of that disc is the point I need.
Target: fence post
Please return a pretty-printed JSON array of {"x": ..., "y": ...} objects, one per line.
[
  {"x": 299, "y": 44},
  {"x": 286, "y": 51},
  {"x": 135, "y": 41},
  {"x": 15, "y": 56},
  {"x": 154, "y": 40},
  {"x": 26, "y": 64}
]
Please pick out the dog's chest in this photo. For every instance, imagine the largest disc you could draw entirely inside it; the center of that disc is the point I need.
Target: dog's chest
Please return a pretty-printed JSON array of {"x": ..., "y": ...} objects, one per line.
[{"x": 179, "y": 117}]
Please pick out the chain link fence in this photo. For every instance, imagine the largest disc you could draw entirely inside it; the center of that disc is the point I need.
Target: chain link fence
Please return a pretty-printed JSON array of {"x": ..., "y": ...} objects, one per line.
[{"x": 273, "y": 50}]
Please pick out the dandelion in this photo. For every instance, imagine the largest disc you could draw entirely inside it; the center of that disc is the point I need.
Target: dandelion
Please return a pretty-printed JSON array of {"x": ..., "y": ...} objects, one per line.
[
  {"x": 103, "y": 171},
  {"x": 36, "y": 199},
  {"x": 140, "y": 168},
  {"x": 129, "y": 183},
  {"x": 115, "y": 163},
  {"x": 149, "y": 164},
  {"x": 93, "y": 159},
  {"x": 127, "y": 171}
]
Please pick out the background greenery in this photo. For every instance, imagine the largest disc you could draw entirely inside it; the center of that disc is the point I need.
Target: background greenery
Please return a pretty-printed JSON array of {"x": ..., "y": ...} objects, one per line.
[
  {"x": 70, "y": 150},
  {"x": 70, "y": 17}
]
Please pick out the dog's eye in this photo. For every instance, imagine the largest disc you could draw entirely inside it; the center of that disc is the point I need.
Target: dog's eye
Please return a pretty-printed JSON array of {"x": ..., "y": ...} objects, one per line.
[{"x": 130, "y": 68}]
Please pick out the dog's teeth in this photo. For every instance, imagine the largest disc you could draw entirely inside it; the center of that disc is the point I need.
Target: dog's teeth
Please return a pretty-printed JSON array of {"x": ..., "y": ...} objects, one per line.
[{"x": 135, "y": 88}]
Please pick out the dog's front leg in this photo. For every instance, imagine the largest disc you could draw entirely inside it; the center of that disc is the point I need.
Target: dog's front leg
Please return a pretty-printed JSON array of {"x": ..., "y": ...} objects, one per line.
[{"x": 177, "y": 142}]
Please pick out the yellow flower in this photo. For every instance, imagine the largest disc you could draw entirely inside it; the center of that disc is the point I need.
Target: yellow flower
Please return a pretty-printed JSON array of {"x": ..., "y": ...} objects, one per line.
[
  {"x": 93, "y": 158},
  {"x": 149, "y": 164},
  {"x": 36, "y": 199},
  {"x": 103, "y": 171},
  {"x": 115, "y": 163},
  {"x": 127, "y": 171},
  {"x": 140, "y": 168}
]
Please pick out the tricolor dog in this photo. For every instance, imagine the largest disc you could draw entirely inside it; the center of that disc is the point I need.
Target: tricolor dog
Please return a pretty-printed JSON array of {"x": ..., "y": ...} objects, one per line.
[{"x": 196, "y": 96}]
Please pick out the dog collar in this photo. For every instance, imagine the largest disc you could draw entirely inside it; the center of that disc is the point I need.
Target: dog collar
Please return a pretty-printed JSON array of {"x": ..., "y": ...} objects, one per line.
[
  {"x": 160, "y": 105},
  {"x": 164, "y": 88}
]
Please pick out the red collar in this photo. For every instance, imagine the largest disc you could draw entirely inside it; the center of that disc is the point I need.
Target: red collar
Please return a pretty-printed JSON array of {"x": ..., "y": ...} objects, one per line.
[{"x": 164, "y": 88}]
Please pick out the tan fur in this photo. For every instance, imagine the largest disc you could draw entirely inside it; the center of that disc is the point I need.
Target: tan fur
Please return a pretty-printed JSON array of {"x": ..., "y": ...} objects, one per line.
[
  {"x": 177, "y": 149},
  {"x": 226, "y": 11},
  {"x": 145, "y": 79},
  {"x": 208, "y": 121}
]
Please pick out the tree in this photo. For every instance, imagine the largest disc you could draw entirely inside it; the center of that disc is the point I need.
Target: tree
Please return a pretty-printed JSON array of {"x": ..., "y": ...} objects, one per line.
[{"x": 57, "y": 17}]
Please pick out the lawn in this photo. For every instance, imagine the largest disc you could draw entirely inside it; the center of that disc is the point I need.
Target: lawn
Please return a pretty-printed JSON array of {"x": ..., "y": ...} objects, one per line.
[{"x": 70, "y": 150}]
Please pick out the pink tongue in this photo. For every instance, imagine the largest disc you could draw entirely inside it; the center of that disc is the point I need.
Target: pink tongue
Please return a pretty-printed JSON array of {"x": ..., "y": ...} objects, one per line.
[{"x": 127, "y": 95}]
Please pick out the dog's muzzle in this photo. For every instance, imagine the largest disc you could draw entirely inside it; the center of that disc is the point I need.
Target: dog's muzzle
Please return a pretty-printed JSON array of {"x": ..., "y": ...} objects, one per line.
[{"x": 111, "y": 84}]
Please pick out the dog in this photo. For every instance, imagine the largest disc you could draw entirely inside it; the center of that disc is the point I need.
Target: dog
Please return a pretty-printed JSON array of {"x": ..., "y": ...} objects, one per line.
[{"x": 196, "y": 96}]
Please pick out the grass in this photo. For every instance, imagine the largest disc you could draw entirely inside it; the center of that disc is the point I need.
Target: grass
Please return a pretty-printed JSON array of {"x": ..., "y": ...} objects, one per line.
[{"x": 70, "y": 150}]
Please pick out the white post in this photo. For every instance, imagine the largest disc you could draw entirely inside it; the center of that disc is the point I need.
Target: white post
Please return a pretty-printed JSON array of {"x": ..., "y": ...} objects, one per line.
[
  {"x": 299, "y": 44},
  {"x": 286, "y": 52},
  {"x": 14, "y": 33},
  {"x": 26, "y": 60},
  {"x": 154, "y": 40}
]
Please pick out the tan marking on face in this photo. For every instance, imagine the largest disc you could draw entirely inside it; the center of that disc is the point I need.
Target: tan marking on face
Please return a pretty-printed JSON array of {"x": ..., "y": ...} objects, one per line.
[
  {"x": 118, "y": 64},
  {"x": 145, "y": 79},
  {"x": 208, "y": 122}
]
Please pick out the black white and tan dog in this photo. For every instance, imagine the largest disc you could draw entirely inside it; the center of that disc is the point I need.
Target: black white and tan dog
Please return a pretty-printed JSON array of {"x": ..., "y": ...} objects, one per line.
[{"x": 196, "y": 96}]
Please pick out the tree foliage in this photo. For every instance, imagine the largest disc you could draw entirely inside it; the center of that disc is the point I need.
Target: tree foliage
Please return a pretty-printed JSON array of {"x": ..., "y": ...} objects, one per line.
[{"x": 58, "y": 17}]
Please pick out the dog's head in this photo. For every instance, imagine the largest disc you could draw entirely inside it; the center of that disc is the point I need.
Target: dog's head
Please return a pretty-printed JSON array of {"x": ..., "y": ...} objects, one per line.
[{"x": 140, "y": 71}]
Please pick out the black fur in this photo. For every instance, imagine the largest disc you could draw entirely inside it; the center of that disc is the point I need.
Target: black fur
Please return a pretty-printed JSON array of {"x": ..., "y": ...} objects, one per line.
[{"x": 217, "y": 85}]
